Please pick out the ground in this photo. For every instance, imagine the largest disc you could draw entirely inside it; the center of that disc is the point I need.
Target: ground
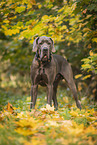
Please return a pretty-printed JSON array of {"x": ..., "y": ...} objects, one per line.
[{"x": 43, "y": 126}]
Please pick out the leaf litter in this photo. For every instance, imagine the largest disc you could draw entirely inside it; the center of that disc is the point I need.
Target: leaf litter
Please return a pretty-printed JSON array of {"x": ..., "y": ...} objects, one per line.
[{"x": 45, "y": 126}]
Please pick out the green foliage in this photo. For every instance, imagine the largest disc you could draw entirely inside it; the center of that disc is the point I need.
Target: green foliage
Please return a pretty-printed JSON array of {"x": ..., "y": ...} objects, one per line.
[
  {"x": 90, "y": 63},
  {"x": 71, "y": 24}
]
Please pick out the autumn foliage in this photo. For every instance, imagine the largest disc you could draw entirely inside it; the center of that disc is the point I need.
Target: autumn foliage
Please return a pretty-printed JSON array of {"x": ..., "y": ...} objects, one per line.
[
  {"x": 45, "y": 126},
  {"x": 70, "y": 23},
  {"x": 72, "y": 26}
]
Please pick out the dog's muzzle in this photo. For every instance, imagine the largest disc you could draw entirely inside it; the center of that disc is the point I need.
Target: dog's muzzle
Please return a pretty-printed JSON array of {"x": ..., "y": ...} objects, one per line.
[{"x": 45, "y": 54}]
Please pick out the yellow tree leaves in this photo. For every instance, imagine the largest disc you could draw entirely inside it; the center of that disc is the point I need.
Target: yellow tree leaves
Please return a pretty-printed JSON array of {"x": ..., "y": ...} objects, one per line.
[
  {"x": 20, "y": 9},
  {"x": 90, "y": 63}
]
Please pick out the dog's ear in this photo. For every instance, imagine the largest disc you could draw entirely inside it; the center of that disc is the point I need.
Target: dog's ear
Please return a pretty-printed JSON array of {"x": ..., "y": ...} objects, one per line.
[
  {"x": 53, "y": 48},
  {"x": 35, "y": 43}
]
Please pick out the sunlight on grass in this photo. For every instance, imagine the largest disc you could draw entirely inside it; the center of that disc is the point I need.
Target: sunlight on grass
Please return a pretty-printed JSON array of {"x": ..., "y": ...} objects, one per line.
[{"x": 20, "y": 125}]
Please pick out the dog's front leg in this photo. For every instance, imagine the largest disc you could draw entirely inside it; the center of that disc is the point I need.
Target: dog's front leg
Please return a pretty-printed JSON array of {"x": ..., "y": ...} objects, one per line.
[
  {"x": 49, "y": 94},
  {"x": 33, "y": 95}
]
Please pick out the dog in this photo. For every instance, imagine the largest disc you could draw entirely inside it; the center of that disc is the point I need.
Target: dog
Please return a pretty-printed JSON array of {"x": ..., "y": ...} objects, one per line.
[{"x": 48, "y": 69}]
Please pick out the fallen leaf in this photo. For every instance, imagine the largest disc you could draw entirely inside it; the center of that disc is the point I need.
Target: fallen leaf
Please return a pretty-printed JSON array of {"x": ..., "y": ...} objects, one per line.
[
  {"x": 10, "y": 107},
  {"x": 49, "y": 108}
]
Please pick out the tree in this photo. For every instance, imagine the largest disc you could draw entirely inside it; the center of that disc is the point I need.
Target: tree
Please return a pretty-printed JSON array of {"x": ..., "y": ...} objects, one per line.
[{"x": 71, "y": 24}]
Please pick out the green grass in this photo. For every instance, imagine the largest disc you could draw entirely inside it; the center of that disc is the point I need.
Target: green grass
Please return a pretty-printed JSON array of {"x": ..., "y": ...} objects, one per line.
[{"x": 68, "y": 125}]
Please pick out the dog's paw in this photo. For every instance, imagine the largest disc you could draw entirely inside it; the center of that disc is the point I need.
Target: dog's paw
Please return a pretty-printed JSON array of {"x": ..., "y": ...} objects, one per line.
[{"x": 78, "y": 103}]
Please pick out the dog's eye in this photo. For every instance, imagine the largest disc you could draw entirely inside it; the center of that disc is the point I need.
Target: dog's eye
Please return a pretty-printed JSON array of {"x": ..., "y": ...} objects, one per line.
[
  {"x": 40, "y": 43},
  {"x": 48, "y": 43}
]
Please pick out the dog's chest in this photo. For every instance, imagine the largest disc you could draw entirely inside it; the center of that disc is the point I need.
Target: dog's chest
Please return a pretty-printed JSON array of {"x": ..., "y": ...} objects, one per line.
[
  {"x": 41, "y": 70},
  {"x": 41, "y": 77}
]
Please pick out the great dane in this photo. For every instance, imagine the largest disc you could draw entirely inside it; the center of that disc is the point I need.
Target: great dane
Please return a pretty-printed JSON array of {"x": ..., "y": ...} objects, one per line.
[{"x": 48, "y": 69}]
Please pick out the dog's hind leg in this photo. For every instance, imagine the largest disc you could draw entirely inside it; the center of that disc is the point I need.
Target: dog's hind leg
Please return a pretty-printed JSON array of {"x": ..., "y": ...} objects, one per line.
[
  {"x": 54, "y": 96},
  {"x": 68, "y": 76}
]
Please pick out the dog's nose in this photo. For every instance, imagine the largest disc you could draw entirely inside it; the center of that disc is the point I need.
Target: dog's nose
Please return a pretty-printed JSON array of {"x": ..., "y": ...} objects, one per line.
[{"x": 45, "y": 49}]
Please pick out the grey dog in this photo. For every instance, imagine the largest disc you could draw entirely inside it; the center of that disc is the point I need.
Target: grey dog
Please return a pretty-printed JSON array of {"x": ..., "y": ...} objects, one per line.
[{"x": 48, "y": 69}]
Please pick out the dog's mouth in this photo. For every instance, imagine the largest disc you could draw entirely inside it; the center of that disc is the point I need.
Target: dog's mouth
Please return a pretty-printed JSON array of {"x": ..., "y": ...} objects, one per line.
[{"x": 45, "y": 57}]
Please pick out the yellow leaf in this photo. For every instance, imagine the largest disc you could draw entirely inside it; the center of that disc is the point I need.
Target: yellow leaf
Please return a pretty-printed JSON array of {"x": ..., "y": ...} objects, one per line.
[
  {"x": 1, "y": 126},
  {"x": 86, "y": 77},
  {"x": 66, "y": 99},
  {"x": 74, "y": 113},
  {"x": 39, "y": 6},
  {"x": 78, "y": 76},
  {"x": 86, "y": 66},
  {"x": 79, "y": 87},
  {"x": 4, "y": 27},
  {"x": 67, "y": 123},
  {"x": 91, "y": 118},
  {"x": 27, "y": 126},
  {"x": 6, "y": 21},
  {"x": 45, "y": 17},
  {"x": 89, "y": 46},
  {"x": 25, "y": 132},
  {"x": 94, "y": 40},
  {"x": 16, "y": 108},
  {"x": 33, "y": 2},
  {"x": 91, "y": 112},
  {"x": 91, "y": 53},
  {"x": 86, "y": 29},
  {"x": 11, "y": 138},
  {"x": 9, "y": 107},
  {"x": 63, "y": 27},
  {"x": 49, "y": 108},
  {"x": 20, "y": 9},
  {"x": 52, "y": 123},
  {"x": 28, "y": 123},
  {"x": 36, "y": 141},
  {"x": 95, "y": 124},
  {"x": 21, "y": 115},
  {"x": 90, "y": 129}
]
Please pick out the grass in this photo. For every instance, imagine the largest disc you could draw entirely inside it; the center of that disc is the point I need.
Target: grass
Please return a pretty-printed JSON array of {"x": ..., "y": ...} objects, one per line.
[{"x": 43, "y": 126}]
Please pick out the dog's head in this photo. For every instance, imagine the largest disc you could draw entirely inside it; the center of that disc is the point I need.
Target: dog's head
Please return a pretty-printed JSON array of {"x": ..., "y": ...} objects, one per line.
[{"x": 43, "y": 46}]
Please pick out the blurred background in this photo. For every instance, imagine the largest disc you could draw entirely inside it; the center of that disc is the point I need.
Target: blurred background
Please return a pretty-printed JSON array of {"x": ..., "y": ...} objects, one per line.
[{"x": 72, "y": 26}]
